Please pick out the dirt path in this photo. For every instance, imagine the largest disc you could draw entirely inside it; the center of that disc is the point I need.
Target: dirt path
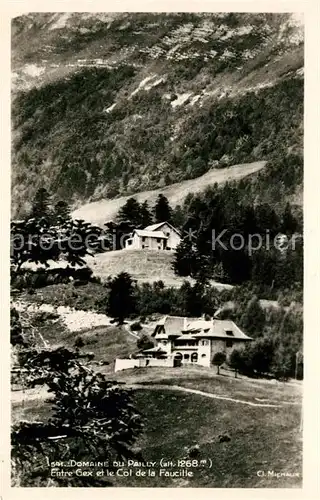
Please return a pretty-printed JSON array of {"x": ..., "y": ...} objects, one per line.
[
  {"x": 202, "y": 393},
  {"x": 34, "y": 394}
]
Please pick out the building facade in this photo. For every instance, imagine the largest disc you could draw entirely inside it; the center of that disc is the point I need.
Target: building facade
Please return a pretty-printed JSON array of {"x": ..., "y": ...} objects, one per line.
[
  {"x": 195, "y": 341},
  {"x": 161, "y": 236}
]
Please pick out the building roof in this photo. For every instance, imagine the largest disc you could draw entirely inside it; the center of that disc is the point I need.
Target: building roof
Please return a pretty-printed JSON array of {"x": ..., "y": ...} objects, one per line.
[
  {"x": 198, "y": 324},
  {"x": 161, "y": 336},
  {"x": 198, "y": 327},
  {"x": 219, "y": 329},
  {"x": 155, "y": 349},
  {"x": 154, "y": 227},
  {"x": 187, "y": 336},
  {"x": 150, "y": 234},
  {"x": 173, "y": 325}
]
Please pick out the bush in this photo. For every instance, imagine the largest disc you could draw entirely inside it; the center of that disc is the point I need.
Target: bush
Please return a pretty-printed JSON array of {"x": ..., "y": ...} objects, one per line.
[
  {"x": 236, "y": 361},
  {"x": 80, "y": 282},
  {"x": 79, "y": 342},
  {"x": 218, "y": 359},
  {"x": 145, "y": 342},
  {"x": 224, "y": 438},
  {"x": 42, "y": 317},
  {"x": 194, "y": 451},
  {"x": 136, "y": 326}
]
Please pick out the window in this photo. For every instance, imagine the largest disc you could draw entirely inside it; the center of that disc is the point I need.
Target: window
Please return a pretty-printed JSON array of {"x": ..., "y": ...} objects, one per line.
[
  {"x": 129, "y": 242},
  {"x": 194, "y": 357},
  {"x": 229, "y": 343},
  {"x": 143, "y": 239},
  {"x": 229, "y": 333},
  {"x": 164, "y": 342},
  {"x": 158, "y": 240},
  {"x": 204, "y": 342},
  {"x": 186, "y": 356}
]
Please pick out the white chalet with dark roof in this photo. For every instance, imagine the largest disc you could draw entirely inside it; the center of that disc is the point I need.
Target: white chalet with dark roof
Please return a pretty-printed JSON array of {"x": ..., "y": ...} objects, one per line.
[{"x": 161, "y": 236}]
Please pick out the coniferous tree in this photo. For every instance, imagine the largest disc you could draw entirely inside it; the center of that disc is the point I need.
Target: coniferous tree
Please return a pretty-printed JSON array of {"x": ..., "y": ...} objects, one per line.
[
  {"x": 236, "y": 361},
  {"x": 91, "y": 418},
  {"x": 41, "y": 204},
  {"x": 281, "y": 365},
  {"x": 61, "y": 214},
  {"x": 186, "y": 260},
  {"x": 130, "y": 213},
  {"x": 121, "y": 302},
  {"x": 195, "y": 300},
  {"x": 162, "y": 209},
  {"x": 178, "y": 217},
  {"x": 145, "y": 215},
  {"x": 288, "y": 224},
  {"x": 253, "y": 318}
]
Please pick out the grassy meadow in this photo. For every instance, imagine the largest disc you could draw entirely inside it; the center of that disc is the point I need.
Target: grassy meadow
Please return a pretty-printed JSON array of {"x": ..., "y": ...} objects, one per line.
[{"x": 261, "y": 438}]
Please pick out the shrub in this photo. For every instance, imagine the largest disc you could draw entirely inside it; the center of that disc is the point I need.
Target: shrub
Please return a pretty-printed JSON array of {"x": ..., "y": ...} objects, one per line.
[
  {"x": 145, "y": 342},
  {"x": 42, "y": 317},
  {"x": 80, "y": 282},
  {"x": 79, "y": 342},
  {"x": 194, "y": 451},
  {"x": 136, "y": 326},
  {"x": 218, "y": 359},
  {"x": 224, "y": 438},
  {"x": 236, "y": 361}
]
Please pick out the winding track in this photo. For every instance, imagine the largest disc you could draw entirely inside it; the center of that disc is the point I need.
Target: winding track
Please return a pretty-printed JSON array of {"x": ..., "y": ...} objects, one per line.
[{"x": 42, "y": 394}]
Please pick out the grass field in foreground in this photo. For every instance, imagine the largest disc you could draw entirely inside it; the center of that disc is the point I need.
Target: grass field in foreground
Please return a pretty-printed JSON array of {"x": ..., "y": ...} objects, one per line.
[
  {"x": 261, "y": 439},
  {"x": 207, "y": 380}
]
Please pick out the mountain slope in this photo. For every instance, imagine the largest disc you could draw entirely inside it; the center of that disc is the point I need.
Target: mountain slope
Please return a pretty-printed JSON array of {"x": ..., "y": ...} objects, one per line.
[
  {"x": 99, "y": 212},
  {"x": 112, "y": 104}
]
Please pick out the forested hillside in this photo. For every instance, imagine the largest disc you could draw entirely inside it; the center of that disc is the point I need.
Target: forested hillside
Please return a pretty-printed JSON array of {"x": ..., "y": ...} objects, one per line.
[{"x": 109, "y": 105}]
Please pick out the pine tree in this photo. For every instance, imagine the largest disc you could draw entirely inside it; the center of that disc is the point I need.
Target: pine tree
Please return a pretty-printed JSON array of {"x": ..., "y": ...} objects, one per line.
[
  {"x": 41, "y": 204},
  {"x": 61, "y": 214},
  {"x": 130, "y": 213},
  {"x": 236, "y": 361},
  {"x": 121, "y": 301},
  {"x": 281, "y": 363},
  {"x": 91, "y": 418},
  {"x": 178, "y": 217},
  {"x": 186, "y": 260},
  {"x": 253, "y": 318},
  {"x": 145, "y": 214},
  {"x": 80, "y": 240},
  {"x": 162, "y": 209},
  {"x": 288, "y": 224}
]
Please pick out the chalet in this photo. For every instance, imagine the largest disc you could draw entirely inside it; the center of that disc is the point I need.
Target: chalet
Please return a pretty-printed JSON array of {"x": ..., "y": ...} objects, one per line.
[
  {"x": 161, "y": 236},
  {"x": 186, "y": 341}
]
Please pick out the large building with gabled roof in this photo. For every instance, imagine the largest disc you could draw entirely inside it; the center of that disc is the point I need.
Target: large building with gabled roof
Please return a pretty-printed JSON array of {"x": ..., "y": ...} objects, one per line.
[
  {"x": 196, "y": 340},
  {"x": 187, "y": 341},
  {"x": 160, "y": 236}
]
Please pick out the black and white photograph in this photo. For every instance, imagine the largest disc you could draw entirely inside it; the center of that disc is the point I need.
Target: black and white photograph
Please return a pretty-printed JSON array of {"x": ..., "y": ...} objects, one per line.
[{"x": 156, "y": 250}]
